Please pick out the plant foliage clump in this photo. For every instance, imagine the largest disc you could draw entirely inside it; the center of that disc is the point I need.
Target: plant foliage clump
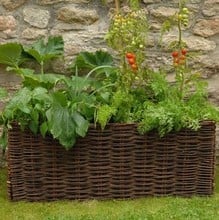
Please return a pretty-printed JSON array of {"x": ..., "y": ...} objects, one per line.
[{"x": 105, "y": 89}]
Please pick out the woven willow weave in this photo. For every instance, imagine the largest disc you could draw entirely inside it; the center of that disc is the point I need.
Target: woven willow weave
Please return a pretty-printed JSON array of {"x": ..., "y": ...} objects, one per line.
[{"x": 114, "y": 163}]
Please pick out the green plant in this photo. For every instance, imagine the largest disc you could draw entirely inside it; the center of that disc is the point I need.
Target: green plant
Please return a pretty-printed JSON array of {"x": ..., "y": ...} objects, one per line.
[
  {"x": 3, "y": 93},
  {"x": 145, "y": 96},
  {"x": 51, "y": 103}
]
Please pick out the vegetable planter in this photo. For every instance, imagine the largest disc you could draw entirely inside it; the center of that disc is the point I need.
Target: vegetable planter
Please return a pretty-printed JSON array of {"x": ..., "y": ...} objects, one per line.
[{"x": 114, "y": 163}]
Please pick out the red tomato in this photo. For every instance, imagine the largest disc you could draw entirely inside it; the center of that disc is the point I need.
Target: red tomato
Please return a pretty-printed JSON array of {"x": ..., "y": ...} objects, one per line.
[
  {"x": 130, "y": 55},
  {"x": 134, "y": 67},
  {"x": 131, "y": 61},
  {"x": 182, "y": 57},
  {"x": 175, "y": 54},
  {"x": 183, "y": 51},
  {"x": 176, "y": 62}
]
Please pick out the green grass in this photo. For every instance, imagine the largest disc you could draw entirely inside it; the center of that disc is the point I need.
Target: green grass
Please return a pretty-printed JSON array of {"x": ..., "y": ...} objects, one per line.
[{"x": 165, "y": 208}]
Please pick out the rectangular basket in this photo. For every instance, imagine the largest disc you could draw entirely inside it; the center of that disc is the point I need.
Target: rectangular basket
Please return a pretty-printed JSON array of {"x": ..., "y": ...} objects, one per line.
[{"x": 114, "y": 163}]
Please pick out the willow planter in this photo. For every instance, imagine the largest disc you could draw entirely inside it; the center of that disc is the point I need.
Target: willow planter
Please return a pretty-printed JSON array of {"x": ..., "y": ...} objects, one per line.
[{"x": 114, "y": 163}]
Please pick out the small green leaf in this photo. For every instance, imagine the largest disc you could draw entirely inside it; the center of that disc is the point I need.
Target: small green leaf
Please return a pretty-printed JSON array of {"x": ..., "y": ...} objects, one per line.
[
  {"x": 81, "y": 124},
  {"x": 105, "y": 96},
  {"x": 3, "y": 139},
  {"x": 3, "y": 93},
  {"x": 34, "y": 115},
  {"x": 25, "y": 109},
  {"x": 33, "y": 125},
  {"x": 41, "y": 96},
  {"x": 43, "y": 129}
]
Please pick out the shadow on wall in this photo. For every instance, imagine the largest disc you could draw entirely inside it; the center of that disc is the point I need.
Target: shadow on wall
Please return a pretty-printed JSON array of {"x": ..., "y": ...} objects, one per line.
[{"x": 9, "y": 81}]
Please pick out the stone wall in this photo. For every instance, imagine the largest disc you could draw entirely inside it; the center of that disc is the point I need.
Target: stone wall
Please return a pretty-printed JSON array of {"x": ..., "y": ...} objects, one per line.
[{"x": 83, "y": 24}]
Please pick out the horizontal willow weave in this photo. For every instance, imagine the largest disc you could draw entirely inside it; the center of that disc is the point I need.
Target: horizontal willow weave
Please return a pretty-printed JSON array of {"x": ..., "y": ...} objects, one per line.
[{"x": 114, "y": 163}]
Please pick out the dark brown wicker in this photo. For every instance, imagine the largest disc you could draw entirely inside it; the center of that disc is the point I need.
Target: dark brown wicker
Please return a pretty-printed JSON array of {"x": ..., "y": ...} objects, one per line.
[{"x": 114, "y": 163}]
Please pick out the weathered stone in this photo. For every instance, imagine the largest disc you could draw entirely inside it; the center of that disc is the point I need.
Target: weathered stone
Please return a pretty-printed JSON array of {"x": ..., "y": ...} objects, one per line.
[
  {"x": 10, "y": 33},
  {"x": 76, "y": 42},
  {"x": 50, "y": 2},
  {"x": 195, "y": 1},
  {"x": 211, "y": 1},
  {"x": 211, "y": 62},
  {"x": 36, "y": 17},
  {"x": 7, "y": 23},
  {"x": 12, "y": 4},
  {"x": 211, "y": 8},
  {"x": 109, "y": 1},
  {"x": 33, "y": 33},
  {"x": 207, "y": 28},
  {"x": 71, "y": 49},
  {"x": 7, "y": 34},
  {"x": 213, "y": 92},
  {"x": 151, "y": 1},
  {"x": 59, "y": 66},
  {"x": 61, "y": 26},
  {"x": 213, "y": 83},
  {"x": 194, "y": 43},
  {"x": 199, "y": 44},
  {"x": 73, "y": 14},
  {"x": 163, "y": 12}
]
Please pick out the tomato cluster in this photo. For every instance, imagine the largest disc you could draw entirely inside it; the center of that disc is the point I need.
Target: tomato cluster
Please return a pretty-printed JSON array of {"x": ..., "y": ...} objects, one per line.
[
  {"x": 184, "y": 16},
  {"x": 179, "y": 57},
  {"x": 128, "y": 30},
  {"x": 131, "y": 58}
]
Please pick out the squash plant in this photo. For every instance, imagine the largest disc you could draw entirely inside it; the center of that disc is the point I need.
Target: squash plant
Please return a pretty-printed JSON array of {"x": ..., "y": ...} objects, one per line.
[{"x": 50, "y": 103}]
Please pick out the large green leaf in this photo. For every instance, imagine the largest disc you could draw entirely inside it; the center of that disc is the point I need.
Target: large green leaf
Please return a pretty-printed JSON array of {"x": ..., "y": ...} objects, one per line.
[
  {"x": 64, "y": 123},
  {"x": 32, "y": 80},
  {"x": 88, "y": 60},
  {"x": 41, "y": 95},
  {"x": 43, "y": 51},
  {"x": 61, "y": 125},
  {"x": 10, "y": 54},
  {"x": 79, "y": 84},
  {"x": 60, "y": 99}
]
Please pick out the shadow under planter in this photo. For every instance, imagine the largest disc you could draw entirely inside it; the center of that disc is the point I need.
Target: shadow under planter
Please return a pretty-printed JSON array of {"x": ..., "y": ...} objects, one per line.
[{"x": 114, "y": 163}]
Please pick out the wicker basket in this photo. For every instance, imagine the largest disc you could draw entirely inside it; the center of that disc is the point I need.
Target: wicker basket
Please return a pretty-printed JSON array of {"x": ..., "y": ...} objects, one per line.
[{"x": 114, "y": 163}]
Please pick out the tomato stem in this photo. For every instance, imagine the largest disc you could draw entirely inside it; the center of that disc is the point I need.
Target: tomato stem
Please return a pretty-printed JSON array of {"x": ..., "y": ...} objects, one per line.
[{"x": 117, "y": 5}]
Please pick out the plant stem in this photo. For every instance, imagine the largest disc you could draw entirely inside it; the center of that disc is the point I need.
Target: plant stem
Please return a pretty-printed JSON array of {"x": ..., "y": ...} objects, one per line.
[
  {"x": 182, "y": 84},
  {"x": 179, "y": 29},
  {"x": 42, "y": 67},
  {"x": 180, "y": 34},
  {"x": 117, "y": 4},
  {"x": 181, "y": 73}
]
